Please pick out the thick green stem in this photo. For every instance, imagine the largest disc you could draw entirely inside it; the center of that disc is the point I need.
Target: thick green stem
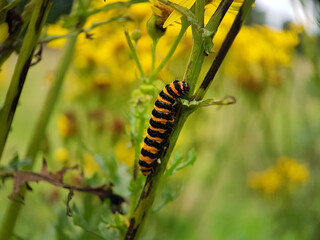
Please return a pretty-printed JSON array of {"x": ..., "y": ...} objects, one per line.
[
  {"x": 51, "y": 99},
  {"x": 38, "y": 18},
  {"x": 148, "y": 194},
  {"x": 184, "y": 27}
]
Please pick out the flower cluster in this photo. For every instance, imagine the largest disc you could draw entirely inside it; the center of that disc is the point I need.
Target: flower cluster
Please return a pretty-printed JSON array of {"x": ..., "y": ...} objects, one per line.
[
  {"x": 261, "y": 52},
  {"x": 285, "y": 174}
]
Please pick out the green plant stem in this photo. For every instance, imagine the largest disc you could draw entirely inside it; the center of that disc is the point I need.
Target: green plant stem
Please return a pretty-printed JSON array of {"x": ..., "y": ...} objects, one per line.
[
  {"x": 233, "y": 32},
  {"x": 153, "y": 53},
  {"x": 148, "y": 194},
  {"x": 184, "y": 27},
  {"x": 134, "y": 53},
  {"x": 30, "y": 42},
  {"x": 51, "y": 99},
  {"x": 218, "y": 15}
]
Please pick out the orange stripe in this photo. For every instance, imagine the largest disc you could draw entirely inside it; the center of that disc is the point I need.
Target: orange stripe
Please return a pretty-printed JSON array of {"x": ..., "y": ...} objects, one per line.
[
  {"x": 158, "y": 129},
  {"x": 157, "y": 139},
  {"x": 163, "y": 110},
  {"x": 174, "y": 89},
  {"x": 144, "y": 168},
  {"x": 150, "y": 149},
  {"x": 147, "y": 159},
  {"x": 163, "y": 100},
  {"x": 181, "y": 86},
  {"x": 160, "y": 120},
  {"x": 166, "y": 92}
]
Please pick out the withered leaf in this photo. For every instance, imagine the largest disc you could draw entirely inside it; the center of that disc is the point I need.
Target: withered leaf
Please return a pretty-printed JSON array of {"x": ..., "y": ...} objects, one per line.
[{"x": 56, "y": 178}]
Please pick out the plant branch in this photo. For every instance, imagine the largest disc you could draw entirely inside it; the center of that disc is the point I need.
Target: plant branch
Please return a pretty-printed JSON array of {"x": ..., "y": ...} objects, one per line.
[
  {"x": 233, "y": 32},
  {"x": 148, "y": 194},
  {"x": 134, "y": 53},
  {"x": 38, "y": 18},
  {"x": 184, "y": 27}
]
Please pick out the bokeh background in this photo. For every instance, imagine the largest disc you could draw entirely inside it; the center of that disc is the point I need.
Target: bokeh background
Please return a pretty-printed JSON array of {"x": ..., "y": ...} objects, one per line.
[{"x": 257, "y": 161}]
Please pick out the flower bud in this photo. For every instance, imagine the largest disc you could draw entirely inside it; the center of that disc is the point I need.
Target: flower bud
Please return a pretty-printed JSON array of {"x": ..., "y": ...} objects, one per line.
[
  {"x": 136, "y": 35},
  {"x": 155, "y": 28}
]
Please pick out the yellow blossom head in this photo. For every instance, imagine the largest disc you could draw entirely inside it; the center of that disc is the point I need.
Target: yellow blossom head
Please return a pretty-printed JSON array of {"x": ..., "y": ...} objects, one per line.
[
  {"x": 62, "y": 155},
  {"x": 90, "y": 166}
]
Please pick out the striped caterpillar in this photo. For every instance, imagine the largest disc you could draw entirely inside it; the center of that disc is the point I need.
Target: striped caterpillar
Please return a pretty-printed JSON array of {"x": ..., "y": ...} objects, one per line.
[{"x": 160, "y": 124}]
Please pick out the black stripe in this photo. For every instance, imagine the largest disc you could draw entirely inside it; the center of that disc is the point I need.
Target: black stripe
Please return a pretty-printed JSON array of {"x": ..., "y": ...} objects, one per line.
[
  {"x": 145, "y": 170},
  {"x": 163, "y": 105},
  {"x": 161, "y": 115},
  {"x": 156, "y": 124},
  {"x": 144, "y": 164},
  {"x": 171, "y": 92},
  {"x": 166, "y": 97},
  {"x": 177, "y": 86},
  {"x": 152, "y": 143},
  {"x": 186, "y": 86},
  {"x": 157, "y": 134},
  {"x": 146, "y": 153}
]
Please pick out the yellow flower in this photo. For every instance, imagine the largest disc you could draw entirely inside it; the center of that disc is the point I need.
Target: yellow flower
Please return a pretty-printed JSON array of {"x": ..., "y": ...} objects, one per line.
[
  {"x": 90, "y": 166},
  {"x": 56, "y": 30},
  {"x": 269, "y": 181},
  {"x": 62, "y": 155},
  {"x": 286, "y": 173},
  {"x": 4, "y": 31},
  {"x": 292, "y": 170},
  {"x": 67, "y": 124},
  {"x": 261, "y": 60}
]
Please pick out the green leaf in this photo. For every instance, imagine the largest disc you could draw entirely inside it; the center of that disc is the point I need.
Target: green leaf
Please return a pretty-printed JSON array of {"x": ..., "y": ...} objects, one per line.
[
  {"x": 178, "y": 163},
  {"x": 207, "y": 40},
  {"x": 169, "y": 195}
]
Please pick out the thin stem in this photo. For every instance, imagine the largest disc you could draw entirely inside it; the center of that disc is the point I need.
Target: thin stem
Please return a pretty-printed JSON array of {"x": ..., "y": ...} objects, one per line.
[
  {"x": 233, "y": 32},
  {"x": 51, "y": 99},
  {"x": 134, "y": 53},
  {"x": 153, "y": 53},
  {"x": 184, "y": 27},
  {"x": 38, "y": 18}
]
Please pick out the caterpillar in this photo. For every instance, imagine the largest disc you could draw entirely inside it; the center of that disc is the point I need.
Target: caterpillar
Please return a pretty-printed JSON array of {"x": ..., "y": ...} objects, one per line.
[{"x": 160, "y": 124}]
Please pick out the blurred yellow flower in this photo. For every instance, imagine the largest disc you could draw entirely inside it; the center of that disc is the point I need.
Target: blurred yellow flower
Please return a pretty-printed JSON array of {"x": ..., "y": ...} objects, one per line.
[
  {"x": 90, "y": 166},
  {"x": 294, "y": 172},
  {"x": 269, "y": 181},
  {"x": 124, "y": 152},
  {"x": 62, "y": 155},
  {"x": 57, "y": 30},
  {"x": 261, "y": 52},
  {"x": 4, "y": 31},
  {"x": 67, "y": 124},
  {"x": 286, "y": 173}
]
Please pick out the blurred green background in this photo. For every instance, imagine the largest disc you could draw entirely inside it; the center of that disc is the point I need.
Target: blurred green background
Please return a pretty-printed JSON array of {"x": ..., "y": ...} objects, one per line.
[{"x": 256, "y": 172}]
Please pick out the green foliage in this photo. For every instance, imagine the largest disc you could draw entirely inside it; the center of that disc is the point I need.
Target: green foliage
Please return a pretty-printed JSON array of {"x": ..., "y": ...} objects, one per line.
[{"x": 215, "y": 197}]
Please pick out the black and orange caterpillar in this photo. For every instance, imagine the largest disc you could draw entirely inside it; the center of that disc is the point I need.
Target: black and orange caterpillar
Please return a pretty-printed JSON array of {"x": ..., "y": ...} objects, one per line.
[{"x": 160, "y": 124}]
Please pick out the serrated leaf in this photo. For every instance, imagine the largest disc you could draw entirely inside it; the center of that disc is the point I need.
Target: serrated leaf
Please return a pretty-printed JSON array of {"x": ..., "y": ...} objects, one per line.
[
  {"x": 169, "y": 195},
  {"x": 178, "y": 163}
]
